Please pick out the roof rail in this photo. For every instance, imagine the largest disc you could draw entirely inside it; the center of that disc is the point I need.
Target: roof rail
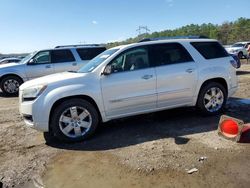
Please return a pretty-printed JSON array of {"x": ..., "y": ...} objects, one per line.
[
  {"x": 175, "y": 37},
  {"x": 79, "y": 45}
]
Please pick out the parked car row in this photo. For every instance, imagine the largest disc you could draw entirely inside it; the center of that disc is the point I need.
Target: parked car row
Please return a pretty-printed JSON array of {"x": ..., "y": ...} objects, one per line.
[
  {"x": 123, "y": 81},
  {"x": 45, "y": 62}
]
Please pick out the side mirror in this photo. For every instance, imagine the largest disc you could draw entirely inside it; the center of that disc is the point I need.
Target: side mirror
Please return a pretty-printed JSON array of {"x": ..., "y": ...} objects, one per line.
[
  {"x": 107, "y": 70},
  {"x": 31, "y": 62}
]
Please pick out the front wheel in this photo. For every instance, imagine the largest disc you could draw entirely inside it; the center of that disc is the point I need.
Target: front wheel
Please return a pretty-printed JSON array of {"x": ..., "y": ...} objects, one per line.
[
  {"x": 212, "y": 99},
  {"x": 74, "y": 120},
  {"x": 10, "y": 85}
]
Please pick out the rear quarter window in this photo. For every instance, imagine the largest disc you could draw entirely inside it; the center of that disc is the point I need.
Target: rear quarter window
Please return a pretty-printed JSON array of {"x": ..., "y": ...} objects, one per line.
[{"x": 210, "y": 50}]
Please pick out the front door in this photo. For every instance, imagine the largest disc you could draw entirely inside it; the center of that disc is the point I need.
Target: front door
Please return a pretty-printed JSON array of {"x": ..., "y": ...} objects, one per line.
[
  {"x": 131, "y": 87},
  {"x": 40, "y": 65}
]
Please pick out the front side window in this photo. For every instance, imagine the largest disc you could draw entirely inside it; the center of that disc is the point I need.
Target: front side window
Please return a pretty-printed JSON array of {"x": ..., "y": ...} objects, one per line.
[
  {"x": 62, "y": 56},
  {"x": 131, "y": 60},
  {"x": 169, "y": 53},
  {"x": 42, "y": 57},
  {"x": 238, "y": 45}
]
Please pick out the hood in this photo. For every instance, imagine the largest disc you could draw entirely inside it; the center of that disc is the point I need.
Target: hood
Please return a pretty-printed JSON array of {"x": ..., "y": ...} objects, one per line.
[
  {"x": 7, "y": 65},
  {"x": 53, "y": 78}
]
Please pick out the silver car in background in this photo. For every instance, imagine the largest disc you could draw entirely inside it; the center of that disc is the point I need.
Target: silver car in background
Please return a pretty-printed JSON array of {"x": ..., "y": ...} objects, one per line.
[
  {"x": 45, "y": 62},
  {"x": 9, "y": 60}
]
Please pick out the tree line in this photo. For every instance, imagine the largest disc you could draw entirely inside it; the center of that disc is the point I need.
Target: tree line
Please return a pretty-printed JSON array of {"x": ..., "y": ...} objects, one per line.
[{"x": 226, "y": 33}]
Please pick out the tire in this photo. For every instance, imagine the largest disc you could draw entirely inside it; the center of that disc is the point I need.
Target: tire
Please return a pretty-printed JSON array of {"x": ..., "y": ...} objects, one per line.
[
  {"x": 49, "y": 137},
  {"x": 10, "y": 85},
  {"x": 74, "y": 120},
  {"x": 240, "y": 55},
  {"x": 212, "y": 99}
]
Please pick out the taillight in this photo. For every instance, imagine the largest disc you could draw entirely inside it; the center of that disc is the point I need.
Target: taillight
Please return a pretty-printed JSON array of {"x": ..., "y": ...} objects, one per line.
[{"x": 234, "y": 64}]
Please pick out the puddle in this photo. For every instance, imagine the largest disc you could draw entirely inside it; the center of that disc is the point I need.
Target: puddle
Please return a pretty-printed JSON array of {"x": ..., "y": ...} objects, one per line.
[
  {"x": 244, "y": 101},
  {"x": 89, "y": 169},
  {"x": 239, "y": 103}
]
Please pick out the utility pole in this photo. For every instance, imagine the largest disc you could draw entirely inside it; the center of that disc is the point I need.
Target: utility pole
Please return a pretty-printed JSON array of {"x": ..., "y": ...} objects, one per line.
[{"x": 143, "y": 28}]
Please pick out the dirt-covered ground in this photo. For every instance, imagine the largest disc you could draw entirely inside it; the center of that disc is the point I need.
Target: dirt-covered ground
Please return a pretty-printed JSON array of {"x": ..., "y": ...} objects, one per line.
[{"x": 153, "y": 150}]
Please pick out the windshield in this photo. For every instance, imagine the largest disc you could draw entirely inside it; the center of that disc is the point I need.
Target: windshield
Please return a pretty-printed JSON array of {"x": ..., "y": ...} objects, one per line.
[
  {"x": 27, "y": 57},
  {"x": 238, "y": 45},
  {"x": 91, "y": 65}
]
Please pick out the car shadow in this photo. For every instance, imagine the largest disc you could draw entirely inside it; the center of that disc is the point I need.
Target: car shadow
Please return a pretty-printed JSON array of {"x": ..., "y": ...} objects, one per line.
[
  {"x": 125, "y": 132},
  {"x": 176, "y": 123},
  {"x": 6, "y": 96}
]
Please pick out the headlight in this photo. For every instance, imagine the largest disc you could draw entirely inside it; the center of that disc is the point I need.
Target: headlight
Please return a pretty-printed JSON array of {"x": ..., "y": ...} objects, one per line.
[{"x": 32, "y": 93}]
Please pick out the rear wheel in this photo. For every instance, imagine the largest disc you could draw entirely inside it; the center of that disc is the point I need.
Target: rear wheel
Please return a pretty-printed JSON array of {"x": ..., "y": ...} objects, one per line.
[
  {"x": 74, "y": 120},
  {"x": 212, "y": 98},
  {"x": 10, "y": 85}
]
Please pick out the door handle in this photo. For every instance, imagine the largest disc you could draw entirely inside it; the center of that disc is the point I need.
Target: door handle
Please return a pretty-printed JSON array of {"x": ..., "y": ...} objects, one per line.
[
  {"x": 48, "y": 66},
  {"x": 190, "y": 70},
  {"x": 74, "y": 64},
  {"x": 146, "y": 77}
]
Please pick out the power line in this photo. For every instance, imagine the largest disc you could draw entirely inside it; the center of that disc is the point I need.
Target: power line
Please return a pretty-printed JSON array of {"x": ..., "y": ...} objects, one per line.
[{"x": 143, "y": 28}]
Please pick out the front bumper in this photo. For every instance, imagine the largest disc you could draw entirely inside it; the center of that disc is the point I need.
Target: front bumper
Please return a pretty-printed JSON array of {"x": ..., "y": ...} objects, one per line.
[{"x": 33, "y": 114}]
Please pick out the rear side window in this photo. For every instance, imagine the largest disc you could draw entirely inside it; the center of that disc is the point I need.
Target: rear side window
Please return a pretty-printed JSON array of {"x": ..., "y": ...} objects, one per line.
[
  {"x": 89, "y": 53},
  {"x": 61, "y": 56},
  {"x": 169, "y": 53},
  {"x": 210, "y": 50}
]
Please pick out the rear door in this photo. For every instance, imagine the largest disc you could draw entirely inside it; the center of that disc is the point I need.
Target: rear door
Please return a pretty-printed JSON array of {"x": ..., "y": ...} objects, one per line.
[
  {"x": 176, "y": 74},
  {"x": 40, "y": 65},
  {"x": 63, "y": 60}
]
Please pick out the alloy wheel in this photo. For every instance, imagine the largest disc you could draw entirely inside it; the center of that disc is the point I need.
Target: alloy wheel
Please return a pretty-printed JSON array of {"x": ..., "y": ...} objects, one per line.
[
  {"x": 11, "y": 86},
  {"x": 75, "y": 122},
  {"x": 213, "y": 99}
]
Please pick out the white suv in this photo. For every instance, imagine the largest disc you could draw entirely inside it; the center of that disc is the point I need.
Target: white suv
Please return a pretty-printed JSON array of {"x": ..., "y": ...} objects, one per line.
[{"x": 129, "y": 80}]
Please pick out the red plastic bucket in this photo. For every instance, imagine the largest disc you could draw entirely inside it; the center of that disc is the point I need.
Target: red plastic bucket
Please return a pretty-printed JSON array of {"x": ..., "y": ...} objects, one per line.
[{"x": 229, "y": 128}]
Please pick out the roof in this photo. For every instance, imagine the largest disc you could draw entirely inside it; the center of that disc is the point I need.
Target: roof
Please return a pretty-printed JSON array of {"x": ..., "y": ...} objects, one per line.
[
  {"x": 74, "y": 46},
  {"x": 81, "y": 46},
  {"x": 244, "y": 42},
  {"x": 164, "y": 41}
]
